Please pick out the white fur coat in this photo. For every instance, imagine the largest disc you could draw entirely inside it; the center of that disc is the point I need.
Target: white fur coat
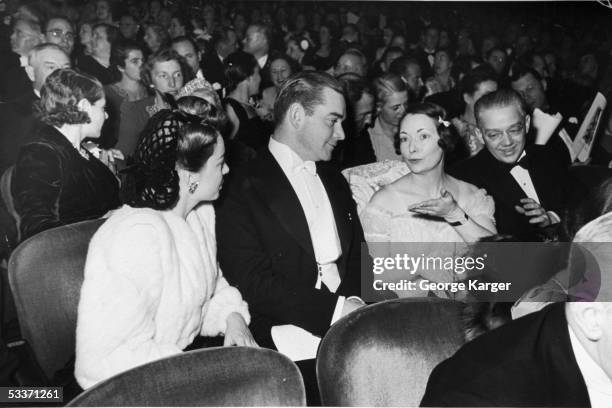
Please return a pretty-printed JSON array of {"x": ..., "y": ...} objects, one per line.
[{"x": 152, "y": 283}]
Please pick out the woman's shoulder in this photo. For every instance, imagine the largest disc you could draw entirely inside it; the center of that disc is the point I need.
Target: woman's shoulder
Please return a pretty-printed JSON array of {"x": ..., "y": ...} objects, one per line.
[
  {"x": 127, "y": 217},
  {"x": 463, "y": 187},
  {"x": 47, "y": 140},
  {"x": 389, "y": 197},
  {"x": 470, "y": 195}
]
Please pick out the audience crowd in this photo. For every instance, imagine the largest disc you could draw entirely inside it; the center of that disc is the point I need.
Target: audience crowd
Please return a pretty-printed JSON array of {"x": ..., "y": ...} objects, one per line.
[{"x": 243, "y": 151}]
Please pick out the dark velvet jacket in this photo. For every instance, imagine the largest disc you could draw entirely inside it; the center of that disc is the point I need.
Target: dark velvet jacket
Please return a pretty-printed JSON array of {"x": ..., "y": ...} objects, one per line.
[{"x": 54, "y": 185}]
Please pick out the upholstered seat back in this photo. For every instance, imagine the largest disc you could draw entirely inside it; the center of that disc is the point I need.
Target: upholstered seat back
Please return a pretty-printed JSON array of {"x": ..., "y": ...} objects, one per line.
[
  {"x": 382, "y": 355},
  {"x": 367, "y": 179},
  {"x": 218, "y": 376},
  {"x": 46, "y": 274}
]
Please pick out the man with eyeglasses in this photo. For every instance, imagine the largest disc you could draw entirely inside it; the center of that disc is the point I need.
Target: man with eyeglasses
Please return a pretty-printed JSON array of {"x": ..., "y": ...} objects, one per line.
[
  {"x": 59, "y": 31},
  {"x": 527, "y": 181}
]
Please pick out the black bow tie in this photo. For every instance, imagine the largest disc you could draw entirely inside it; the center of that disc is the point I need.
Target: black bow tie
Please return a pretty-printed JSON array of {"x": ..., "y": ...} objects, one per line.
[{"x": 524, "y": 163}]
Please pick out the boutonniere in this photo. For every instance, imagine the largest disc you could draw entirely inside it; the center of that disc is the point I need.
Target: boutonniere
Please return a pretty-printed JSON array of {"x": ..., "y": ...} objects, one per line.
[{"x": 573, "y": 120}]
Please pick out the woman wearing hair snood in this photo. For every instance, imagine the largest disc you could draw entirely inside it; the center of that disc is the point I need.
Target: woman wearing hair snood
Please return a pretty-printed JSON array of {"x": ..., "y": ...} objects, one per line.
[
  {"x": 427, "y": 205},
  {"x": 55, "y": 180},
  {"x": 159, "y": 305}
]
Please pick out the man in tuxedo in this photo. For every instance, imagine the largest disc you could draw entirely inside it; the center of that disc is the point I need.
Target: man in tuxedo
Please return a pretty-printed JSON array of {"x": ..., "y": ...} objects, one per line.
[
  {"x": 257, "y": 42},
  {"x": 527, "y": 182},
  {"x": 430, "y": 36},
  {"x": 224, "y": 43},
  {"x": 287, "y": 228},
  {"x": 560, "y": 356},
  {"x": 186, "y": 48},
  {"x": 537, "y": 94}
]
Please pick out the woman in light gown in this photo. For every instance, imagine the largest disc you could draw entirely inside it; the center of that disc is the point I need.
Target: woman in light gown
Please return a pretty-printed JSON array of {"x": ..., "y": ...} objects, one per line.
[{"x": 427, "y": 208}]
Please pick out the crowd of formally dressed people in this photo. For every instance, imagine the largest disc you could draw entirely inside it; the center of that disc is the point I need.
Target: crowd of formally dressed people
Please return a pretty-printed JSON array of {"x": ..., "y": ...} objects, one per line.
[{"x": 241, "y": 153}]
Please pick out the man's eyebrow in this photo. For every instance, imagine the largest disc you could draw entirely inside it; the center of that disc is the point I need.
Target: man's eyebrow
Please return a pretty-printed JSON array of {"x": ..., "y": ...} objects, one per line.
[{"x": 336, "y": 114}]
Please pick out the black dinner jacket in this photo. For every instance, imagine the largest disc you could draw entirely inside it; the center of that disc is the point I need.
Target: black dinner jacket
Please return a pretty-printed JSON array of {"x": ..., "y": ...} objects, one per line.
[
  {"x": 265, "y": 250},
  {"x": 527, "y": 362},
  {"x": 549, "y": 175},
  {"x": 213, "y": 68}
]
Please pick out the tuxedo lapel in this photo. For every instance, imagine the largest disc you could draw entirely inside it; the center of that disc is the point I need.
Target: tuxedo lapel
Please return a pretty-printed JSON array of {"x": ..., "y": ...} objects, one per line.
[
  {"x": 502, "y": 184},
  {"x": 339, "y": 206},
  {"x": 542, "y": 173},
  {"x": 276, "y": 191}
]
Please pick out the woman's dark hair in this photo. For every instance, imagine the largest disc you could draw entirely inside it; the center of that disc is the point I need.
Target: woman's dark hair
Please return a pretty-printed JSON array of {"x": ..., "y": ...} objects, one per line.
[
  {"x": 163, "y": 55},
  {"x": 185, "y": 22},
  {"x": 437, "y": 113},
  {"x": 473, "y": 78},
  {"x": 60, "y": 95},
  {"x": 112, "y": 33},
  {"x": 196, "y": 143},
  {"x": 121, "y": 50},
  {"x": 238, "y": 67},
  {"x": 199, "y": 107},
  {"x": 293, "y": 64},
  {"x": 183, "y": 141}
]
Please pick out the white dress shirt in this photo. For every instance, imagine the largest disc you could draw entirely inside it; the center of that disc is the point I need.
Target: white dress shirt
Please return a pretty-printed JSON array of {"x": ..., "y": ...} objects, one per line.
[
  {"x": 599, "y": 385},
  {"x": 522, "y": 177},
  {"x": 261, "y": 61},
  {"x": 325, "y": 241}
]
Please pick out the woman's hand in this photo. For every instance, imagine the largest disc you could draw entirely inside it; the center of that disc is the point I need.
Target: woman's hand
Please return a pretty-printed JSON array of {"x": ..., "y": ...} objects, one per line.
[
  {"x": 237, "y": 333},
  {"x": 442, "y": 207}
]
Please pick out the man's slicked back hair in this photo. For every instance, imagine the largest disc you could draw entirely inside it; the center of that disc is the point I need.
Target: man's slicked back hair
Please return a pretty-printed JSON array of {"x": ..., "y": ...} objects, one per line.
[
  {"x": 305, "y": 88},
  {"x": 500, "y": 99}
]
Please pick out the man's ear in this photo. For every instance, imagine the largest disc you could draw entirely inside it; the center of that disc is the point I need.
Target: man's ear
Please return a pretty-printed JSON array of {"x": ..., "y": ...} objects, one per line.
[
  {"x": 296, "y": 114},
  {"x": 30, "y": 71},
  {"x": 185, "y": 177},
  {"x": 479, "y": 135},
  {"x": 84, "y": 105},
  {"x": 544, "y": 84},
  {"x": 589, "y": 317}
]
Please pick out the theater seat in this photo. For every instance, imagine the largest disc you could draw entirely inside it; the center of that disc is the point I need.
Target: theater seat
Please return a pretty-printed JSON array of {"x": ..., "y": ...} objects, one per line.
[
  {"x": 45, "y": 275},
  {"x": 218, "y": 376},
  {"x": 382, "y": 355}
]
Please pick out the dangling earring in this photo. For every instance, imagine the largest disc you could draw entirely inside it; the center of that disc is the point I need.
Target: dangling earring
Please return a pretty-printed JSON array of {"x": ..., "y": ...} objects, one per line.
[{"x": 193, "y": 186}]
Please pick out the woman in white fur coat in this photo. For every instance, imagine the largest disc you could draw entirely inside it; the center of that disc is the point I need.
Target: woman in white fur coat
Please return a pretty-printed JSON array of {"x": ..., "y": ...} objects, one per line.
[{"x": 152, "y": 282}]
